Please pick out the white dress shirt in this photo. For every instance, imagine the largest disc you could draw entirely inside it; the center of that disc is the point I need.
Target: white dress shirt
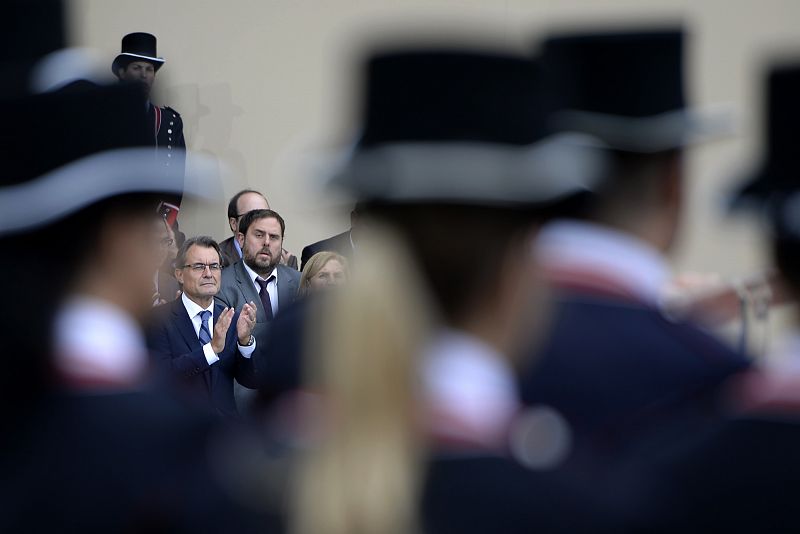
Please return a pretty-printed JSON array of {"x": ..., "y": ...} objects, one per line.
[
  {"x": 471, "y": 385},
  {"x": 194, "y": 310},
  {"x": 272, "y": 286},
  {"x": 97, "y": 342},
  {"x": 623, "y": 258}
]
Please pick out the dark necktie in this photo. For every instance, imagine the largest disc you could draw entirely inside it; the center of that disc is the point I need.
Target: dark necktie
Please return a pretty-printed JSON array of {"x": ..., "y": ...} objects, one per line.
[
  {"x": 264, "y": 294},
  {"x": 205, "y": 333}
]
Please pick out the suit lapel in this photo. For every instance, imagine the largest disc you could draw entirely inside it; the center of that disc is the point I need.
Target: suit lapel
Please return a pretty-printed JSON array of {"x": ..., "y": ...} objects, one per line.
[
  {"x": 249, "y": 291},
  {"x": 184, "y": 324},
  {"x": 186, "y": 328}
]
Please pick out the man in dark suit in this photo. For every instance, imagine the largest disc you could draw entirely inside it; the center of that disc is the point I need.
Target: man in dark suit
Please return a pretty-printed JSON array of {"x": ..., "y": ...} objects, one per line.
[
  {"x": 259, "y": 277},
  {"x": 343, "y": 243},
  {"x": 241, "y": 203},
  {"x": 613, "y": 362},
  {"x": 202, "y": 343}
]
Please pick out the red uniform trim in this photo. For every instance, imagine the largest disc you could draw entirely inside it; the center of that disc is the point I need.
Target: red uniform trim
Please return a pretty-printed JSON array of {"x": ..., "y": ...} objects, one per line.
[{"x": 158, "y": 120}]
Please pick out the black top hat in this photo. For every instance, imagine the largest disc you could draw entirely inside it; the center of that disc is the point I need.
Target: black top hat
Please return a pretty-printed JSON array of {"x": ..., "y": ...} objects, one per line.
[
  {"x": 32, "y": 30},
  {"x": 453, "y": 125},
  {"x": 626, "y": 88},
  {"x": 137, "y": 46},
  {"x": 96, "y": 143},
  {"x": 779, "y": 172}
]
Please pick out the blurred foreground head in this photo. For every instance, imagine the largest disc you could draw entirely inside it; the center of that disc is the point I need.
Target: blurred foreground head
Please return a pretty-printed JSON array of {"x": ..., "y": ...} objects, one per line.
[
  {"x": 626, "y": 89},
  {"x": 77, "y": 201},
  {"x": 451, "y": 173},
  {"x": 773, "y": 188}
]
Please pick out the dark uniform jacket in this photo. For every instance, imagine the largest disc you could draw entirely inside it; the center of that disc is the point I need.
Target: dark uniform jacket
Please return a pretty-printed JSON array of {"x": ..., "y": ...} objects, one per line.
[
  {"x": 168, "y": 140},
  {"x": 617, "y": 368}
]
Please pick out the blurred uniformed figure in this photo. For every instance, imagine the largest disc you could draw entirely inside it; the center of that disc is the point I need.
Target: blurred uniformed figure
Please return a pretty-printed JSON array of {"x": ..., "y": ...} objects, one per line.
[
  {"x": 613, "y": 362},
  {"x": 741, "y": 473},
  {"x": 88, "y": 445},
  {"x": 412, "y": 357},
  {"x": 138, "y": 62}
]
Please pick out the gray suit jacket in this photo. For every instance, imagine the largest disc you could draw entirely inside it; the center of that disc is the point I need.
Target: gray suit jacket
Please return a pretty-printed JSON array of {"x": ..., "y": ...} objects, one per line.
[{"x": 236, "y": 289}]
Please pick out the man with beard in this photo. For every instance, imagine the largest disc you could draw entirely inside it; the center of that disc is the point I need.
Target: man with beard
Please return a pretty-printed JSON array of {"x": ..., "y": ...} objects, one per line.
[{"x": 259, "y": 276}]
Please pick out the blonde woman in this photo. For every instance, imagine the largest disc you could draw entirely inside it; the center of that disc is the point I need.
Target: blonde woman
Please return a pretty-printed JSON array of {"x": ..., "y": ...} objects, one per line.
[
  {"x": 324, "y": 270},
  {"x": 412, "y": 362}
]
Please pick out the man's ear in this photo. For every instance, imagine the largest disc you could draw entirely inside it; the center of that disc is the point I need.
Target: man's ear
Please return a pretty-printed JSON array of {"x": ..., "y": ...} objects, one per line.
[
  {"x": 234, "y": 224},
  {"x": 240, "y": 239},
  {"x": 179, "y": 275},
  {"x": 120, "y": 71}
]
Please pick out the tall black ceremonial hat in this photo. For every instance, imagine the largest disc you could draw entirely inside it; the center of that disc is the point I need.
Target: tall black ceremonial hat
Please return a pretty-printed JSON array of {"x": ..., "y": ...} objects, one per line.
[
  {"x": 65, "y": 150},
  {"x": 31, "y": 30},
  {"x": 779, "y": 171},
  {"x": 451, "y": 95},
  {"x": 625, "y": 87},
  {"x": 137, "y": 46},
  {"x": 457, "y": 125}
]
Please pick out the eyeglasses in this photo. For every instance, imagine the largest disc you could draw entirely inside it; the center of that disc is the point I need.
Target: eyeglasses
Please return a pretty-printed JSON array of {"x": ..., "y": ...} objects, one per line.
[
  {"x": 166, "y": 242},
  {"x": 201, "y": 267}
]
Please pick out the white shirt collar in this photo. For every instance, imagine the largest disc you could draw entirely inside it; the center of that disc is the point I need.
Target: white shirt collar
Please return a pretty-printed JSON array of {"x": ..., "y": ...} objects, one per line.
[
  {"x": 95, "y": 341},
  {"x": 631, "y": 262},
  {"x": 253, "y": 275},
  {"x": 193, "y": 308},
  {"x": 471, "y": 384}
]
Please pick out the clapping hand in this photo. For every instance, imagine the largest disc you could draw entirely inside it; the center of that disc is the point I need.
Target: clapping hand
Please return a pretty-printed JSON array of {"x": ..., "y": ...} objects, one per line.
[
  {"x": 246, "y": 323},
  {"x": 221, "y": 326}
]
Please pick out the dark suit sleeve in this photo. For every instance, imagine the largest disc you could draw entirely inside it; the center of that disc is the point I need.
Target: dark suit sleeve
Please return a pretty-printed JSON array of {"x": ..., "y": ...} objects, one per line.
[
  {"x": 186, "y": 364},
  {"x": 305, "y": 256}
]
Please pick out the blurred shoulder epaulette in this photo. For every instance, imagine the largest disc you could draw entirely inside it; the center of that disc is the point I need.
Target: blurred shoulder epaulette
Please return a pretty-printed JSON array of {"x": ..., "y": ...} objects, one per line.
[
  {"x": 172, "y": 111},
  {"x": 765, "y": 393}
]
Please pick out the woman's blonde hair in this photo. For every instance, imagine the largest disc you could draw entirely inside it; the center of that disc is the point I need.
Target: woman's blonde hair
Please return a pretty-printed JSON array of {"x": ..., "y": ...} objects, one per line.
[
  {"x": 364, "y": 476},
  {"x": 315, "y": 264}
]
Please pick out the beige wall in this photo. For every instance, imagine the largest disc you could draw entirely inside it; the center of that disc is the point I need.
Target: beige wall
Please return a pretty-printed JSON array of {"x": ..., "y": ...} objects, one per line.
[{"x": 263, "y": 85}]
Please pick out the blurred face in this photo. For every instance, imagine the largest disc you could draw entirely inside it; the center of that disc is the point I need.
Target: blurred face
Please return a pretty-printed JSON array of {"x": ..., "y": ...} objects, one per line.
[
  {"x": 162, "y": 241},
  {"x": 332, "y": 274},
  {"x": 172, "y": 248},
  {"x": 247, "y": 202},
  {"x": 139, "y": 71},
  {"x": 127, "y": 255},
  {"x": 262, "y": 245},
  {"x": 200, "y": 281}
]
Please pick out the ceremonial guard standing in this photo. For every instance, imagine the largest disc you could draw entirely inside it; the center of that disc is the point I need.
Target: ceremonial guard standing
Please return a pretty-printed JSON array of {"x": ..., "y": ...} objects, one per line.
[{"x": 139, "y": 62}]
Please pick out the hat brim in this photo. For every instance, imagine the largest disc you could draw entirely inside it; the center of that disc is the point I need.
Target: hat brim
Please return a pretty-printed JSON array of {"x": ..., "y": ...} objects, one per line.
[
  {"x": 122, "y": 61},
  {"x": 473, "y": 173},
  {"x": 92, "y": 179},
  {"x": 666, "y": 131}
]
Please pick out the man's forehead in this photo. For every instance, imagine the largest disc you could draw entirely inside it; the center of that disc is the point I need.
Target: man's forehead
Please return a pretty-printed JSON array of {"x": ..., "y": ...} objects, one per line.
[
  {"x": 267, "y": 224},
  {"x": 201, "y": 253},
  {"x": 140, "y": 64}
]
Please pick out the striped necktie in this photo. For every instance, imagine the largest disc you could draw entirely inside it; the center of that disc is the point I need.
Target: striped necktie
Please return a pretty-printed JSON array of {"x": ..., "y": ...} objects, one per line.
[{"x": 205, "y": 334}]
